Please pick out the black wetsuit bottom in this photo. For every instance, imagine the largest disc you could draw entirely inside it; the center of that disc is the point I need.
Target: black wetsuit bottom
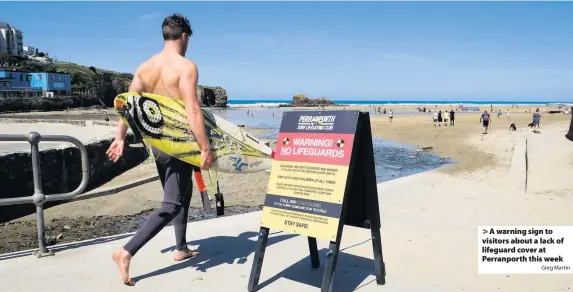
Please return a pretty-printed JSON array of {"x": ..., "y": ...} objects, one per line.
[{"x": 176, "y": 179}]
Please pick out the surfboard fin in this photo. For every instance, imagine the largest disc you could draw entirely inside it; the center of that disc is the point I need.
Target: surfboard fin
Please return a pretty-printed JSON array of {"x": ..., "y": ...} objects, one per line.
[{"x": 136, "y": 145}]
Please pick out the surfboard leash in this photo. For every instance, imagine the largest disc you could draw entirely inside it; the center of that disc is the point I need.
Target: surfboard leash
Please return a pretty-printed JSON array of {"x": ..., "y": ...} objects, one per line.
[{"x": 211, "y": 180}]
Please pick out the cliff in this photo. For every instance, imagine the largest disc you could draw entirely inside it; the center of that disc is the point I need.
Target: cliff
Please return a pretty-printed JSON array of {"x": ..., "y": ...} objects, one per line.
[{"x": 89, "y": 85}]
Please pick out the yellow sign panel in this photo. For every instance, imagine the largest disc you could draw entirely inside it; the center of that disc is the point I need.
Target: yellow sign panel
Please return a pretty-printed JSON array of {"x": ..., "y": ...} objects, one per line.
[
  {"x": 320, "y": 227},
  {"x": 305, "y": 198},
  {"x": 313, "y": 181}
]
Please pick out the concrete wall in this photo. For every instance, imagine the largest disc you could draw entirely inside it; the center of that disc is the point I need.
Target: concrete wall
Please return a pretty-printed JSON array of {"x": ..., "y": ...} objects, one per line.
[{"x": 61, "y": 172}]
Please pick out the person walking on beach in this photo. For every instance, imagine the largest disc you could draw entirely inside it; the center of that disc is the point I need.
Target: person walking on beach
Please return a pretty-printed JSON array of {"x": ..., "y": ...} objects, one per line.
[
  {"x": 167, "y": 73},
  {"x": 435, "y": 118},
  {"x": 440, "y": 119},
  {"x": 485, "y": 120},
  {"x": 536, "y": 120},
  {"x": 391, "y": 115},
  {"x": 499, "y": 114},
  {"x": 452, "y": 116}
]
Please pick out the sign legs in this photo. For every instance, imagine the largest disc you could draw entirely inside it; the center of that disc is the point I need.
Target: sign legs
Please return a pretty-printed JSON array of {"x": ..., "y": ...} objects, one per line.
[
  {"x": 258, "y": 260},
  {"x": 330, "y": 266},
  {"x": 314, "y": 260},
  {"x": 379, "y": 267}
]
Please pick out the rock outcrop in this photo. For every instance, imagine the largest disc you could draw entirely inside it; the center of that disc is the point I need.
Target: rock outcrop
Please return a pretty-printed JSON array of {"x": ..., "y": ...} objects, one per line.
[
  {"x": 303, "y": 100},
  {"x": 212, "y": 96}
]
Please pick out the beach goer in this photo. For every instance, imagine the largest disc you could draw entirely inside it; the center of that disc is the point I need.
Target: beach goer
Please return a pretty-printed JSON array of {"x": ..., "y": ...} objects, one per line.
[
  {"x": 536, "y": 120},
  {"x": 435, "y": 118},
  {"x": 499, "y": 113},
  {"x": 507, "y": 113},
  {"x": 452, "y": 117},
  {"x": 485, "y": 121},
  {"x": 167, "y": 73},
  {"x": 440, "y": 119},
  {"x": 391, "y": 115}
]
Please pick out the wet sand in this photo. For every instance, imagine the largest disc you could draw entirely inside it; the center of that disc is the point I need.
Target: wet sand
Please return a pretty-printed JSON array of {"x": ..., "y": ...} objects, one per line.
[{"x": 455, "y": 142}]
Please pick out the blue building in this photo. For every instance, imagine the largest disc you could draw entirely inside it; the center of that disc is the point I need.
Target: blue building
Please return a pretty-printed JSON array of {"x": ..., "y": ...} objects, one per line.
[
  {"x": 56, "y": 82},
  {"x": 17, "y": 83}
]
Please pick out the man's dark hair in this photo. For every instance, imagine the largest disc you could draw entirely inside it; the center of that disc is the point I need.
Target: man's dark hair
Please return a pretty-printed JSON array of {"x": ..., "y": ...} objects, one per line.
[{"x": 174, "y": 26}]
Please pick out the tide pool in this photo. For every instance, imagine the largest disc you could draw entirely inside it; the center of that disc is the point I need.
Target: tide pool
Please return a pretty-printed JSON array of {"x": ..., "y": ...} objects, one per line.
[{"x": 392, "y": 160}]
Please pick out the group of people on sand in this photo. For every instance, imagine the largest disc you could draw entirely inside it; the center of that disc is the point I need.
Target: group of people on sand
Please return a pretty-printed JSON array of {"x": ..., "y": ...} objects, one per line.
[
  {"x": 485, "y": 120},
  {"x": 380, "y": 111},
  {"x": 440, "y": 117}
]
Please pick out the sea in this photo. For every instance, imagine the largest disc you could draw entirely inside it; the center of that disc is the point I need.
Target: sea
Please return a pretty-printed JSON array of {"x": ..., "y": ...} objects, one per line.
[{"x": 273, "y": 103}]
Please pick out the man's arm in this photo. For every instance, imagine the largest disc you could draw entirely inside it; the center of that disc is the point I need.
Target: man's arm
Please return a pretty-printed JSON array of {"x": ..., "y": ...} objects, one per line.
[
  {"x": 135, "y": 86},
  {"x": 188, "y": 89}
]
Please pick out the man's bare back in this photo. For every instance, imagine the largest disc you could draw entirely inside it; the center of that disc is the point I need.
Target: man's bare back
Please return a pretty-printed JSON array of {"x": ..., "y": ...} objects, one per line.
[{"x": 161, "y": 74}]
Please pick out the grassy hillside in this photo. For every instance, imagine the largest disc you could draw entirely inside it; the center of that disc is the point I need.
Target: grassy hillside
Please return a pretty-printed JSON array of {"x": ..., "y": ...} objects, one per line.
[{"x": 109, "y": 83}]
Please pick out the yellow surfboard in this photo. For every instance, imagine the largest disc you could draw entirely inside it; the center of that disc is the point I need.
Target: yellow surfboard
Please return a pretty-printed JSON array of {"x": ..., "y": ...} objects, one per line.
[{"x": 161, "y": 122}]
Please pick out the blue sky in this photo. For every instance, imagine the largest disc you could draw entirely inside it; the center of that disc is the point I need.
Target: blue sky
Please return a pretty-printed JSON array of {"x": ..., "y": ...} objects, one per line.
[{"x": 342, "y": 50}]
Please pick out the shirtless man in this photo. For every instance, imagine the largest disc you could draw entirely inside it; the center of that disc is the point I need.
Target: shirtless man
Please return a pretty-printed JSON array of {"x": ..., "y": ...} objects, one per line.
[
  {"x": 167, "y": 73},
  {"x": 484, "y": 119}
]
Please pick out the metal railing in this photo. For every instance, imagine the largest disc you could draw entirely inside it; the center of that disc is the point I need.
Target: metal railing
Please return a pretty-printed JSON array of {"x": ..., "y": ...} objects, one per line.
[{"x": 39, "y": 198}]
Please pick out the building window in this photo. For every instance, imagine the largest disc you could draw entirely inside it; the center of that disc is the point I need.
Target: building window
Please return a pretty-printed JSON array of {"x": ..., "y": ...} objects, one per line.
[
  {"x": 52, "y": 76},
  {"x": 40, "y": 77},
  {"x": 21, "y": 77}
]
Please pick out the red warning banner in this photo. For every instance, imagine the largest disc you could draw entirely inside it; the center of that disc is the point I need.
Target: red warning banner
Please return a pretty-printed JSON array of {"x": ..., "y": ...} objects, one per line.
[{"x": 335, "y": 149}]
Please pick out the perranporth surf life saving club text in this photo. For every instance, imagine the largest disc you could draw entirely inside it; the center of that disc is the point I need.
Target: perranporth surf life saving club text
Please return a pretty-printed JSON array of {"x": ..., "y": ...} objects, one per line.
[
  {"x": 325, "y": 123},
  {"x": 313, "y": 146},
  {"x": 309, "y": 173}
]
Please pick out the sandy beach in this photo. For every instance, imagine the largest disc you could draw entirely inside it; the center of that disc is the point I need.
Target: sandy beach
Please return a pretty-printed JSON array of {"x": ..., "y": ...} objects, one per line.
[
  {"x": 429, "y": 220},
  {"x": 476, "y": 156}
]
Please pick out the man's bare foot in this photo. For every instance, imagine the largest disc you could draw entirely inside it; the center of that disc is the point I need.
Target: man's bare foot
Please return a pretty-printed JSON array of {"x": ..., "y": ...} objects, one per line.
[
  {"x": 184, "y": 254},
  {"x": 122, "y": 258}
]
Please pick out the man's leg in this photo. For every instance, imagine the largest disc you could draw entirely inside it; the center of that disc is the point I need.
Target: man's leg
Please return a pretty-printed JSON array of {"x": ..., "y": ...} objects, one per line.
[
  {"x": 173, "y": 183},
  {"x": 180, "y": 221}
]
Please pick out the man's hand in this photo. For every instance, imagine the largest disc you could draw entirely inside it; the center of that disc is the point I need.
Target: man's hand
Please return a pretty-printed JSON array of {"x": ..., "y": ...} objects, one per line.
[
  {"x": 115, "y": 150},
  {"x": 206, "y": 159}
]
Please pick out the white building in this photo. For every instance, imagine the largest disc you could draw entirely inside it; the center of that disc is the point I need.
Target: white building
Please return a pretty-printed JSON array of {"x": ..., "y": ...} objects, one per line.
[
  {"x": 11, "y": 40},
  {"x": 30, "y": 51}
]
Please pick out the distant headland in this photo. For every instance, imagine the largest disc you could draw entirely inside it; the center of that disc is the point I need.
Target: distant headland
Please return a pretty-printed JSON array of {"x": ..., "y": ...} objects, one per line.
[{"x": 301, "y": 100}]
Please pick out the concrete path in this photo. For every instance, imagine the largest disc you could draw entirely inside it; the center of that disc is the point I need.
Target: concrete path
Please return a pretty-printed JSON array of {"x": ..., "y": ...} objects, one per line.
[
  {"x": 549, "y": 171},
  {"x": 82, "y": 133}
]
